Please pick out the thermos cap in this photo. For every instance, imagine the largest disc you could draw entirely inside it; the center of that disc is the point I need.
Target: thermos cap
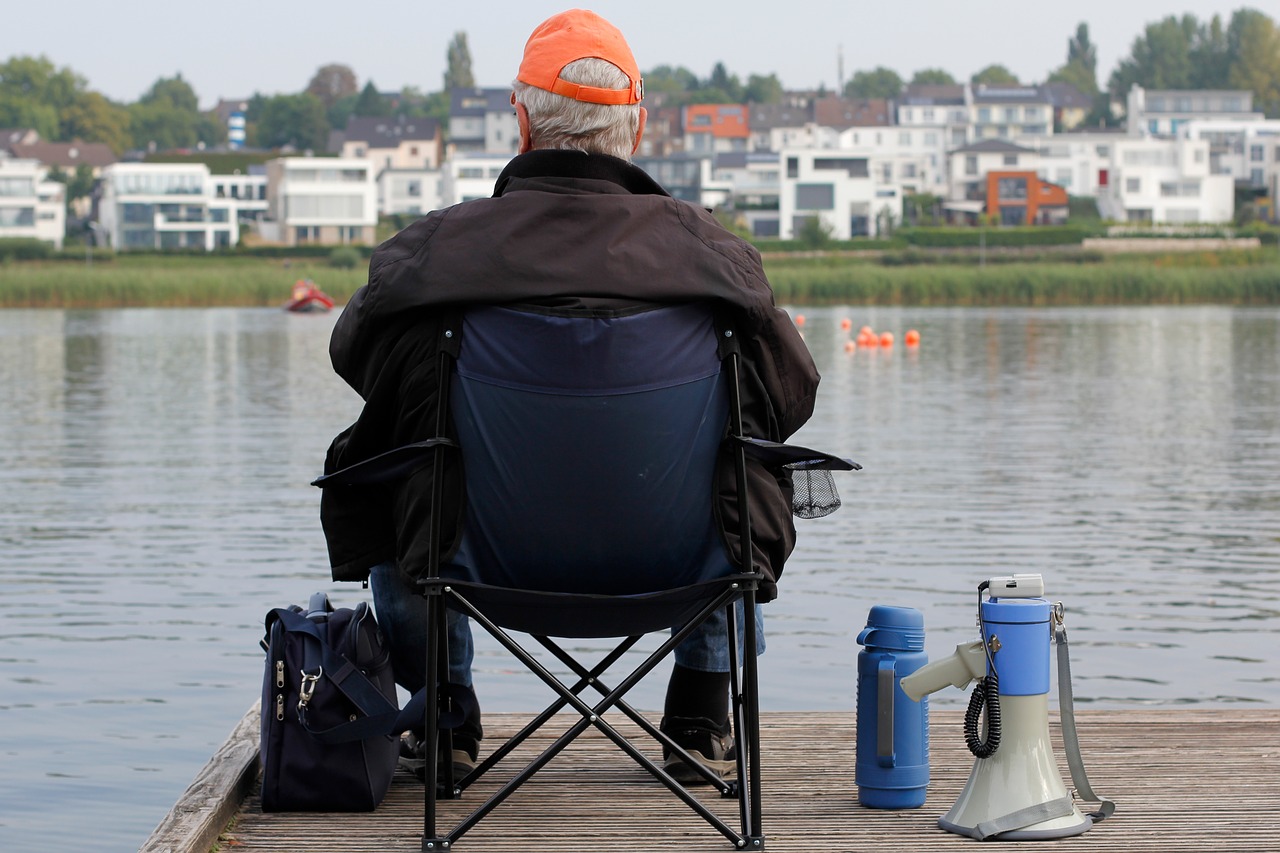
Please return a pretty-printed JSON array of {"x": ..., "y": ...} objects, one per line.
[{"x": 897, "y": 628}]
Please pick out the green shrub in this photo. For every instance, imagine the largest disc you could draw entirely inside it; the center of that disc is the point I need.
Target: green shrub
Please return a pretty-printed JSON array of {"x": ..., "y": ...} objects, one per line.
[
  {"x": 24, "y": 249},
  {"x": 344, "y": 258}
]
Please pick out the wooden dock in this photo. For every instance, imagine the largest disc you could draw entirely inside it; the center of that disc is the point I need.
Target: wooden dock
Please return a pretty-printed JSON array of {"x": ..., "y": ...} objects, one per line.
[{"x": 1183, "y": 780}]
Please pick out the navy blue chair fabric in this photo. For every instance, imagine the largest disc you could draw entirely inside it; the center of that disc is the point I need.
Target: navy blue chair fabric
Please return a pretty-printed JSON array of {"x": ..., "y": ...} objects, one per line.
[{"x": 588, "y": 448}]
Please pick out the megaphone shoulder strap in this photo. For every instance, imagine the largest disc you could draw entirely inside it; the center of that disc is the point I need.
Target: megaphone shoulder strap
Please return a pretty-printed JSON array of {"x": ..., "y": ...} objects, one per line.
[{"x": 1066, "y": 708}]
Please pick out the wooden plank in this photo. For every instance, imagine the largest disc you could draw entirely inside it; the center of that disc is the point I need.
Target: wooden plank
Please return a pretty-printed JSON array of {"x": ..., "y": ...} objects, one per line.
[
  {"x": 212, "y": 800},
  {"x": 1184, "y": 780}
]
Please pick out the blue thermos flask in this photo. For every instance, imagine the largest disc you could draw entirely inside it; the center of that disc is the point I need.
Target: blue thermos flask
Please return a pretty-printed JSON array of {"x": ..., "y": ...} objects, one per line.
[{"x": 892, "y": 769}]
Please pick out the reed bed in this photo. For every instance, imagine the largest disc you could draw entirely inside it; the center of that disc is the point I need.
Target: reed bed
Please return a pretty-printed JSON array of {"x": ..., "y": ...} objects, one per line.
[
  {"x": 1123, "y": 282},
  {"x": 195, "y": 281},
  {"x": 159, "y": 282}
]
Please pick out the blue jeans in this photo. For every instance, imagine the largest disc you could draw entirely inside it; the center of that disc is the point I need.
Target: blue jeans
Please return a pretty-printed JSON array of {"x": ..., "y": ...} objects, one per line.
[{"x": 402, "y": 614}]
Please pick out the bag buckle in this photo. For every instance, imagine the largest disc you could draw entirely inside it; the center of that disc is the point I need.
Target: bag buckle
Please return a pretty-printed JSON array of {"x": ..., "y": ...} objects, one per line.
[{"x": 308, "y": 687}]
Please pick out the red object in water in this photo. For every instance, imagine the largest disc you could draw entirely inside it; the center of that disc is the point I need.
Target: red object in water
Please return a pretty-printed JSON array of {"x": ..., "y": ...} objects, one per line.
[{"x": 308, "y": 298}]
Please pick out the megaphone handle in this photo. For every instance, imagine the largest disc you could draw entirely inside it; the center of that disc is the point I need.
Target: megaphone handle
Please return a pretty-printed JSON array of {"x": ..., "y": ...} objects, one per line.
[{"x": 1066, "y": 708}]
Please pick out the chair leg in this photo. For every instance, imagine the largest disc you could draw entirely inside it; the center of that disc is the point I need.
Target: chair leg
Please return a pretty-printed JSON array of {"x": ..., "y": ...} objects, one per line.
[{"x": 437, "y": 658}]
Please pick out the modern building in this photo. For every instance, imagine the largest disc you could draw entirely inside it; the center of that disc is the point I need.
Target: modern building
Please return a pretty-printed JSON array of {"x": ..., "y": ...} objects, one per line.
[
  {"x": 1248, "y": 151},
  {"x": 328, "y": 200},
  {"x": 393, "y": 143},
  {"x": 482, "y": 120},
  {"x": 1163, "y": 112},
  {"x": 840, "y": 189},
  {"x": 248, "y": 191},
  {"x": 1165, "y": 181},
  {"x": 465, "y": 177},
  {"x": 715, "y": 128},
  {"x": 30, "y": 205},
  {"x": 1010, "y": 113},
  {"x": 165, "y": 206},
  {"x": 411, "y": 192},
  {"x": 939, "y": 107},
  {"x": 968, "y": 167},
  {"x": 1022, "y": 198}
]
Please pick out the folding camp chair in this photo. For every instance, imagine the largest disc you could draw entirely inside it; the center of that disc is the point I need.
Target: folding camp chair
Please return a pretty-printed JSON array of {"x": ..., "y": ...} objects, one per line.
[{"x": 590, "y": 443}]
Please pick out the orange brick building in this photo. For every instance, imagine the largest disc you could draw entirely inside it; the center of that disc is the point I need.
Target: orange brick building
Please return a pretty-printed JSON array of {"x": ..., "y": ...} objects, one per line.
[{"x": 1021, "y": 198}]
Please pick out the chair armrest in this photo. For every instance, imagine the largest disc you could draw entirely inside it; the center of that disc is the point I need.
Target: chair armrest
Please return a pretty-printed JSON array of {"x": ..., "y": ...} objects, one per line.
[
  {"x": 774, "y": 454},
  {"x": 393, "y": 465}
]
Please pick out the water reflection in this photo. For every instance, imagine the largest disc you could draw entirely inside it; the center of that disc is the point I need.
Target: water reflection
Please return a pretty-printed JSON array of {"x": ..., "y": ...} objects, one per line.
[{"x": 153, "y": 505}]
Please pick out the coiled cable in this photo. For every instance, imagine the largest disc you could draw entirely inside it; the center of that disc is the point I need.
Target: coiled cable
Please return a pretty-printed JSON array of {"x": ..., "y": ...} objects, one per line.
[{"x": 986, "y": 694}]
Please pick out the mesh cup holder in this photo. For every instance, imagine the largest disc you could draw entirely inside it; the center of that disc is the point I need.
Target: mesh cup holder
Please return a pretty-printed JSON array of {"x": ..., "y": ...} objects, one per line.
[{"x": 814, "y": 492}]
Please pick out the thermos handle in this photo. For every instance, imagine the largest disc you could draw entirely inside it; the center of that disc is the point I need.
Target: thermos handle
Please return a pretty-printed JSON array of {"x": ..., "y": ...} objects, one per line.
[{"x": 886, "y": 687}]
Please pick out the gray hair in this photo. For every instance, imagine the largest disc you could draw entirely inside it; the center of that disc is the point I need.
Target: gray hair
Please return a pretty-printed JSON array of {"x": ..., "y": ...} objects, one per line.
[{"x": 563, "y": 123}]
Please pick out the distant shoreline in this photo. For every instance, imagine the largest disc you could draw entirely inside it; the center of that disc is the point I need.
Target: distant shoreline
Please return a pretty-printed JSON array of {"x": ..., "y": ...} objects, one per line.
[{"x": 905, "y": 277}]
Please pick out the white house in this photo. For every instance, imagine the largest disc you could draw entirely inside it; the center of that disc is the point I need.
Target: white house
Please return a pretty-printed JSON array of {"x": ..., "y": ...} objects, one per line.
[
  {"x": 469, "y": 176},
  {"x": 330, "y": 200},
  {"x": 937, "y": 107},
  {"x": 1163, "y": 112},
  {"x": 165, "y": 206},
  {"x": 30, "y": 205},
  {"x": 838, "y": 187},
  {"x": 393, "y": 143},
  {"x": 482, "y": 120},
  {"x": 1165, "y": 181},
  {"x": 914, "y": 158},
  {"x": 248, "y": 191},
  {"x": 409, "y": 191},
  {"x": 968, "y": 167},
  {"x": 1248, "y": 151},
  {"x": 1010, "y": 112}
]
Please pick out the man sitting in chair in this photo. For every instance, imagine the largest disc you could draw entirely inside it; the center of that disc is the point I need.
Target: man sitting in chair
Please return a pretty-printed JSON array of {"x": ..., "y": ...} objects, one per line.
[{"x": 571, "y": 221}]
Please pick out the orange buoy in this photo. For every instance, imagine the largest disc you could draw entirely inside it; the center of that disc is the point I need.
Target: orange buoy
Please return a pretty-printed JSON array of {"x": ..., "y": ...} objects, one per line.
[
  {"x": 886, "y": 339},
  {"x": 866, "y": 330},
  {"x": 868, "y": 340},
  {"x": 911, "y": 338},
  {"x": 849, "y": 346},
  {"x": 846, "y": 324},
  {"x": 799, "y": 319}
]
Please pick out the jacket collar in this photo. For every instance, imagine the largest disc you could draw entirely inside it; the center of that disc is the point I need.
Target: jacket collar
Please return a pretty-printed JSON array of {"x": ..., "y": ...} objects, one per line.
[{"x": 568, "y": 168}]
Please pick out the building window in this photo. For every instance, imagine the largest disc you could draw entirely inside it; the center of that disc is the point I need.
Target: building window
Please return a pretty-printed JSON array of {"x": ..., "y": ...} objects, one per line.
[
  {"x": 856, "y": 167},
  {"x": 984, "y": 115},
  {"x": 815, "y": 197},
  {"x": 793, "y": 167},
  {"x": 1011, "y": 159},
  {"x": 1011, "y": 188},
  {"x": 904, "y": 137},
  {"x": 1032, "y": 113},
  {"x": 1133, "y": 185},
  {"x": 971, "y": 164},
  {"x": 928, "y": 114},
  {"x": 1257, "y": 154}
]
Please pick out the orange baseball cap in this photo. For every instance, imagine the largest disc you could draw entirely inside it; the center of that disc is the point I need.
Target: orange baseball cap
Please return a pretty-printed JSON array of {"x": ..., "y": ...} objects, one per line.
[{"x": 568, "y": 37}]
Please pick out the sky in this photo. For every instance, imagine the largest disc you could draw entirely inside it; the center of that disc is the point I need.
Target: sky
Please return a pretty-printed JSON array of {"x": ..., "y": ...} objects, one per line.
[{"x": 235, "y": 48}]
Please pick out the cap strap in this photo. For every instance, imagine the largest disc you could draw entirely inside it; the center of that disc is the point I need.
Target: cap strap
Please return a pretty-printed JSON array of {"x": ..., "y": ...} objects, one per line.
[{"x": 595, "y": 94}]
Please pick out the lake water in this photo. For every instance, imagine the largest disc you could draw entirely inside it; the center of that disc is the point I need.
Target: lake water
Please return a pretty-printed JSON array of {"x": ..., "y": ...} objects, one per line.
[{"x": 154, "y": 505}]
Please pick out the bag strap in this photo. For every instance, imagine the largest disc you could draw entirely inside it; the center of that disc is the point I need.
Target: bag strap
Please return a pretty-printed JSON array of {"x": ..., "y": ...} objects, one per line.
[
  {"x": 1066, "y": 708},
  {"x": 381, "y": 717}
]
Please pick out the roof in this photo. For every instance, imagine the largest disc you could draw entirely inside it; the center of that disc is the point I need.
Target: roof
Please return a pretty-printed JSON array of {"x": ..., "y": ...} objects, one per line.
[
  {"x": 66, "y": 155},
  {"x": 983, "y": 93},
  {"x": 842, "y": 113},
  {"x": 477, "y": 102},
  {"x": 1067, "y": 96},
  {"x": 768, "y": 116},
  {"x": 390, "y": 132},
  {"x": 993, "y": 146},
  {"x": 933, "y": 94},
  {"x": 12, "y": 135}
]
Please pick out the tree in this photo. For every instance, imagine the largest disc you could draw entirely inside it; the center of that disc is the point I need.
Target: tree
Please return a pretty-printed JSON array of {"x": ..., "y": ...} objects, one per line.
[
  {"x": 763, "y": 90},
  {"x": 1211, "y": 56},
  {"x": 674, "y": 83},
  {"x": 294, "y": 120},
  {"x": 33, "y": 92},
  {"x": 932, "y": 77},
  {"x": 457, "y": 74},
  {"x": 371, "y": 102},
  {"x": 720, "y": 88},
  {"x": 995, "y": 75},
  {"x": 1254, "y": 47},
  {"x": 1160, "y": 58},
  {"x": 880, "y": 82},
  {"x": 1080, "y": 70},
  {"x": 332, "y": 83},
  {"x": 172, "y": 92},
  {"x": 93, "y": 118}
]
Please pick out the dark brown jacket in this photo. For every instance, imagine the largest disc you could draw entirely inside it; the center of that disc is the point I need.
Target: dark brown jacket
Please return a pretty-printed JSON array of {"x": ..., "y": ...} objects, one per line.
[{"x": 561, "y": 225}]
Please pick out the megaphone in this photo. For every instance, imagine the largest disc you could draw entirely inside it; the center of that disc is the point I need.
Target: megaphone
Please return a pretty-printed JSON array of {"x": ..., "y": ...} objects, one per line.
[{"x": 1015, "y": 791}]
